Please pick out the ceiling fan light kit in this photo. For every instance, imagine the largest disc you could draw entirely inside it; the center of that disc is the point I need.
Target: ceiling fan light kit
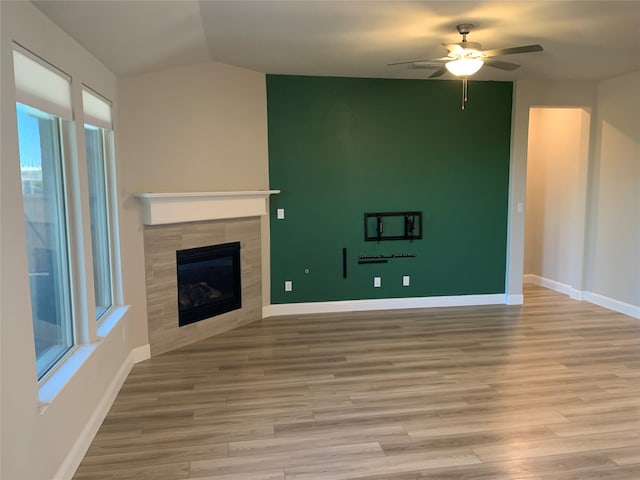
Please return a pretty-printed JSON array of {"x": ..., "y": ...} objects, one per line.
[
  {"x": 463, "y": 67},
  {"x": 467, "y": 58}
]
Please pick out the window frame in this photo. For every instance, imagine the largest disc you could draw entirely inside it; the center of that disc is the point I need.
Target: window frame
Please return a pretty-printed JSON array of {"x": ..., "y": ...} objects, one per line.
[
  {"x": 107, "y": 159},
  {"x": 63, "y": 132}
]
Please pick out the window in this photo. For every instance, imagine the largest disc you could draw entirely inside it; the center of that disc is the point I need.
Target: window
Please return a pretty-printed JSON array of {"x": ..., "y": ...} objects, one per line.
[
  {"x": 40, "y": 126},
  {"x": 56, "y": 236},
  {"x": 97, "y": 113},
  {"x": 99, "y": 214},
  {"x": 97, "y": 129}
]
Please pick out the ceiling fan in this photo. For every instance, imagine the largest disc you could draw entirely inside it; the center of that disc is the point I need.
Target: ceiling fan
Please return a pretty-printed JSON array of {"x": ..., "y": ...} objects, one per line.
[{"x": 466, "y": 58}]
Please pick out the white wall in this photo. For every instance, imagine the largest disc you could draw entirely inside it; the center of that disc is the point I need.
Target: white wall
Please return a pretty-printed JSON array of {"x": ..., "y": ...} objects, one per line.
[
  {"x": 188, "y": 129},
  {"x": 555, "y": 210},
  {"x": 195, "y": 128},
  {"x": 613, "y": 260},
  {"x": 36, "y": 443}
]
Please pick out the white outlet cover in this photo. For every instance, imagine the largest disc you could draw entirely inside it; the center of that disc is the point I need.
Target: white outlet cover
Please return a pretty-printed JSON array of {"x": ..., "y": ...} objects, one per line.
[
  {"x": 280, "y": 213},
  {"x": 406, "y": 280},
  {"x": 377, "y": 281},
  {"x": 288, "y": 285}
]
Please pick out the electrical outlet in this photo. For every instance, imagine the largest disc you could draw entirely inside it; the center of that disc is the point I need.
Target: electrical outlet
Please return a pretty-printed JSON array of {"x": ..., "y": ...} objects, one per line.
[
  {"x": 280, "y": 213},
  {"x": 377, "y": 282},
  {"x": 288, "y": 285},
  {"x": 406, "y": 280}
]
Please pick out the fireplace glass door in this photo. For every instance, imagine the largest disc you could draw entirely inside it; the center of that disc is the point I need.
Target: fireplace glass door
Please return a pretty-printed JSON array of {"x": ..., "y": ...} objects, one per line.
[{"x": 208, "y": 282}]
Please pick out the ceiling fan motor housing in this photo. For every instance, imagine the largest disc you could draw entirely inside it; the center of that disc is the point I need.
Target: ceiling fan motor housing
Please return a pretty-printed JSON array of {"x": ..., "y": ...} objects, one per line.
[{"x": 464, "y": 28}]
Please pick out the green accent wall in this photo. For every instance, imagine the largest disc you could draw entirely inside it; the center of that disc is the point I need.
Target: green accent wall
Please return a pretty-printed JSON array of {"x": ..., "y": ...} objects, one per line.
[{"x": 340, "y": 147}]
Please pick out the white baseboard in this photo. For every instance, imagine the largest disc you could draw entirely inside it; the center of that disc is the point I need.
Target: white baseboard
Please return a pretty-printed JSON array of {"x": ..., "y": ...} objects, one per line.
[
  {"x": 141, "y": 353},
  {"x": 514, "y": 299},
  {"x": 80, "y": 447},
  {"x": 612, "y": 304},
  {"x": 553, "y": 285},
  {"x": 382, "y": 304},
  {"x": 596, "y": 299}
]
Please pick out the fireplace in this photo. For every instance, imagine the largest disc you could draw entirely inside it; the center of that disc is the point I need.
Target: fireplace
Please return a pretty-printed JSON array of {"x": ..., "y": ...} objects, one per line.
[{"x": 208, "y": 281}]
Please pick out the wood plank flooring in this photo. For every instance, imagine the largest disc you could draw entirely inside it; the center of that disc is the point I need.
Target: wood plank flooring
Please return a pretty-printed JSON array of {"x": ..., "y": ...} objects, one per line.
[{"x": 548, "y": 390}]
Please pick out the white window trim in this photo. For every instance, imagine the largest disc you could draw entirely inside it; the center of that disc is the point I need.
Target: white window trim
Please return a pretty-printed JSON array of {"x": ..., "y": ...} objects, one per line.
[
  {"x": 113, "y": 235},
  {"x": 68, "y": 366}
]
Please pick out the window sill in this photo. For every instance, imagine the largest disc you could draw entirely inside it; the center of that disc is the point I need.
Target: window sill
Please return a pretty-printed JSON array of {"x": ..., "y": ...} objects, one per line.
[
  {"x": 53, "y": 385},
  {"x": 111, "y": 320},
  {"x": 50, "y": 388}
]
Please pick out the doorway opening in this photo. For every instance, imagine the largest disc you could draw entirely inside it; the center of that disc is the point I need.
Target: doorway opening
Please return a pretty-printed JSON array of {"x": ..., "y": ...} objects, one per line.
[{"x": 556, "y": 198}]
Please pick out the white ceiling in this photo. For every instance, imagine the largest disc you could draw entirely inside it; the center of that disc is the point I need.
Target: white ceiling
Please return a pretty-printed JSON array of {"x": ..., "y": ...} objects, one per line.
[{"x": 582, "y": 39}]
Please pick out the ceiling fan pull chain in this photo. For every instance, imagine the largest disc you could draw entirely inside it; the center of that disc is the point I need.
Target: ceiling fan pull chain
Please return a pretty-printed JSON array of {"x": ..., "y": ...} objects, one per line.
[{"x": 465, "y": 89}]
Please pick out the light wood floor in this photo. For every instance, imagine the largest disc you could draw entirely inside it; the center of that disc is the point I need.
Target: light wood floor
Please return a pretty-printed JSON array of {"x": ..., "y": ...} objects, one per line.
[{"x": 548, "y": 390}]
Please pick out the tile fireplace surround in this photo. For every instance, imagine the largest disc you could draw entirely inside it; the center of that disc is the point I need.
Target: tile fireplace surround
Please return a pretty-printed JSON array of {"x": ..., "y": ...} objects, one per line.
[{"x": 207, "y": 222}]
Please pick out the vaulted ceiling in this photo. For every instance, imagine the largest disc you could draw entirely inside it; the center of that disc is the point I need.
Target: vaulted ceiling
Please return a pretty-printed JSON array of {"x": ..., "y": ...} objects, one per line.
[{"x": 584, "y": 40}]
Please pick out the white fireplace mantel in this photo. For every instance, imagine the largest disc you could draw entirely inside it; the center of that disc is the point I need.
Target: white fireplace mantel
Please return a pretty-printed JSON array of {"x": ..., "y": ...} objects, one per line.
[{"x": 163, "y": 208}]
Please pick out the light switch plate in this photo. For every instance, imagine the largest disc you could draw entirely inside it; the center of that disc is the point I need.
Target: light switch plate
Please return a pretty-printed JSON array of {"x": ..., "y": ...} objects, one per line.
[
  {"x": 406, "y": 280},
  {"x": 280, "y": 213},
  {"x": 377, "y": 281},
  {"x": 288, "y": 285}
]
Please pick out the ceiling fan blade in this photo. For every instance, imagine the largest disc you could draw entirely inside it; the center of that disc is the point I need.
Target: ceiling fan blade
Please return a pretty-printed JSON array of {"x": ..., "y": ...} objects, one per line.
[
  {"x": 510, "y": 51},
  {"x": 434, "y": 61},
  {"x": 438, "y": 73},
  {"x": 406, "y": 63},
  {"x": 426, "y": 66},
  {"x": 500, "y": 64}
]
